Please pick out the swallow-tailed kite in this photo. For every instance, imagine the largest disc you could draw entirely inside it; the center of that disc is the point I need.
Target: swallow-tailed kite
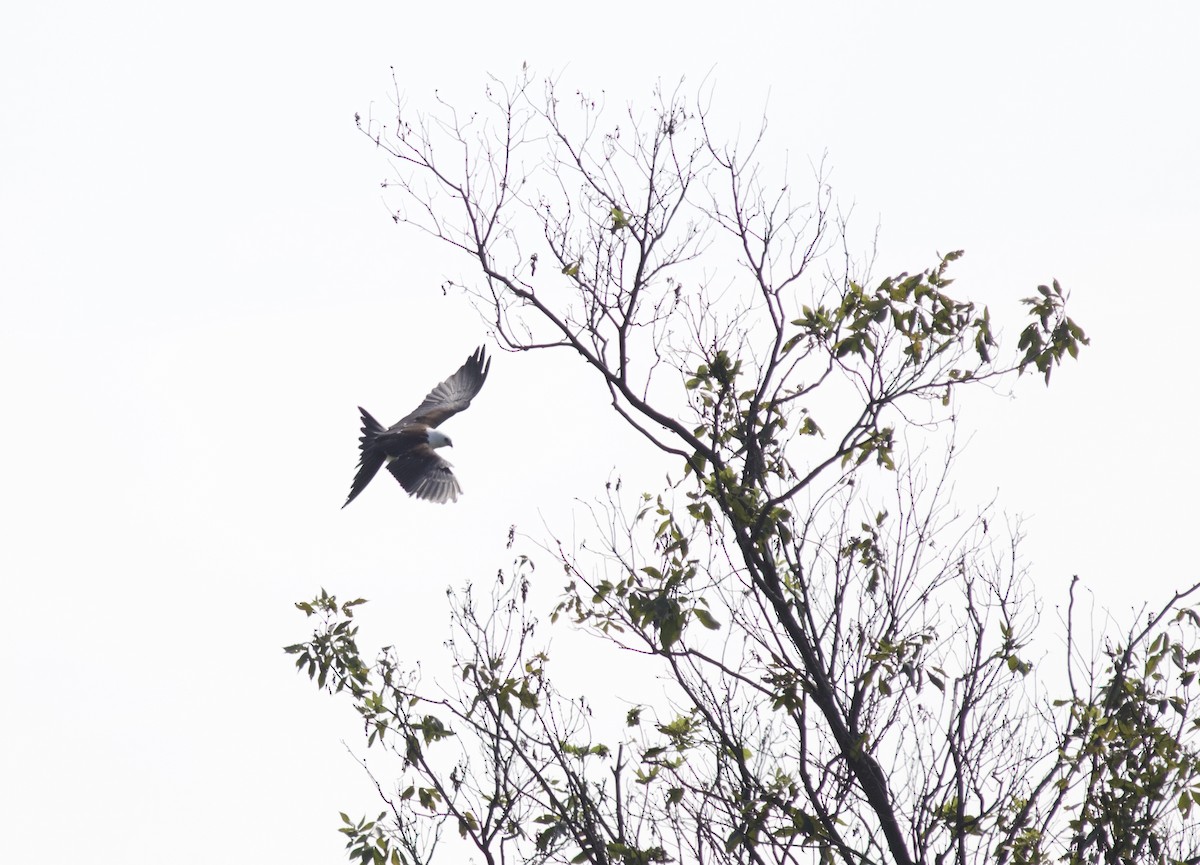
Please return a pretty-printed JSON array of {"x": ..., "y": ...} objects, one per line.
[{"x": 407, "y": 446}]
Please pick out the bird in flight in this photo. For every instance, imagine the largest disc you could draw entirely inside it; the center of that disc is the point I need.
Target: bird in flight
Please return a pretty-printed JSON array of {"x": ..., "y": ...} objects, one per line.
[{"x": 408, "y": 446}]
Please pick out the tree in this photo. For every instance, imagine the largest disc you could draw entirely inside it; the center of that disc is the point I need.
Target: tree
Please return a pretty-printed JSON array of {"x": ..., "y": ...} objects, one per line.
[{"x": 848, "y": 653}]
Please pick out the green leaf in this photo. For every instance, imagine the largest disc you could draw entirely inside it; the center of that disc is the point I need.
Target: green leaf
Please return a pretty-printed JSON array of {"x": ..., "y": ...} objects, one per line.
[
  {"x": 669, "y": 632},
  {"x": 706, "y": 619}
]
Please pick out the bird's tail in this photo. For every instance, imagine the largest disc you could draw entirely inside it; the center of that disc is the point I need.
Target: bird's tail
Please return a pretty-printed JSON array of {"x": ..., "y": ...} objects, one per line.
[{"x": 369, "y": 459}]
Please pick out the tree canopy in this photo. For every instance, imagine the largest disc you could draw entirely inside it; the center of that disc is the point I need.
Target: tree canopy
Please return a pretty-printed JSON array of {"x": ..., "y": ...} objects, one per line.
[{"x": 847, "y": 652}]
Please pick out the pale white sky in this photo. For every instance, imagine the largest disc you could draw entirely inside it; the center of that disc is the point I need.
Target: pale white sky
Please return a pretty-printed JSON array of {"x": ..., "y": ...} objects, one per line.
[{"x": 199, "y": 281}]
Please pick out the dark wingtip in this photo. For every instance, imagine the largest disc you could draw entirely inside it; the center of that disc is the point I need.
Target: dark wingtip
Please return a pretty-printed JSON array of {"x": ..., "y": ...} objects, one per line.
[
  {"x": 369, "y": 461},
  {"x": 482, "y": 361}
]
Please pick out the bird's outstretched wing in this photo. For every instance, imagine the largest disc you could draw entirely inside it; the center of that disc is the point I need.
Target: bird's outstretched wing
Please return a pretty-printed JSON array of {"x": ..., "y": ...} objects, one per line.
[
  {"x": 451, "y": 396},
  {"x": 370, "y": 459},
  {"x": 426, "y": 475}
]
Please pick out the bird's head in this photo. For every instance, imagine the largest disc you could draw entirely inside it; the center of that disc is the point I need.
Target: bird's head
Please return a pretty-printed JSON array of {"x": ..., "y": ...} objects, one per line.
[{"x": 438, "y": 439}]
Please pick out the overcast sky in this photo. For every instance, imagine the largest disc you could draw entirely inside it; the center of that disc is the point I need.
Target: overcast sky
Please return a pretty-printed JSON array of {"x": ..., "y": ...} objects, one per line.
[{"x": 200, "y": 281}]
